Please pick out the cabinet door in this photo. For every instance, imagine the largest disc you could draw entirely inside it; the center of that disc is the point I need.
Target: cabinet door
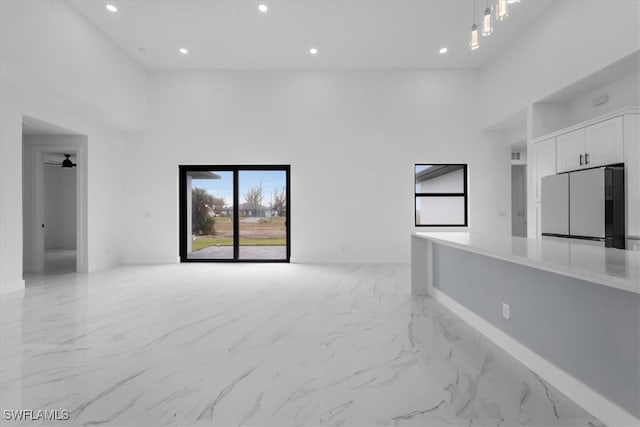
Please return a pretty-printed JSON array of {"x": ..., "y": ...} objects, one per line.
[
  {"x": 545, "y": 161},
  {"x": 603, "y": 143},
  {"x": 571, "y": 149}
]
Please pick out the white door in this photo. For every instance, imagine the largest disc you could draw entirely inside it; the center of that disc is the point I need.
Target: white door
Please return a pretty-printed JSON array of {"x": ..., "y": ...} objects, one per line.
[
  {"x": 586, "y": 214},
  {"x": 518, "y": 201}
]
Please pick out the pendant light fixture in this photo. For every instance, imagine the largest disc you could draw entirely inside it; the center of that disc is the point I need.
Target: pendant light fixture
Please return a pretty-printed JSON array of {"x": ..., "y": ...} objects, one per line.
[
  {"x": 473, "y": 41},
  {"x": 487, "y": 27},
  {"x": 502, "y": 10}
]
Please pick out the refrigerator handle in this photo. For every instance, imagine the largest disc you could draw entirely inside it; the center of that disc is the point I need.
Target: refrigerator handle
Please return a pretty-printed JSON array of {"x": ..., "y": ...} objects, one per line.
[
  {"x": 586, "y": 158},
  {"x": 580, "y": 159}
]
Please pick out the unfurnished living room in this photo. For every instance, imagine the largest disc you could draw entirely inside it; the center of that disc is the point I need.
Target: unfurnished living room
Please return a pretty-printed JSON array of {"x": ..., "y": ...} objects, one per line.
[{"x": 320, "y": 212}]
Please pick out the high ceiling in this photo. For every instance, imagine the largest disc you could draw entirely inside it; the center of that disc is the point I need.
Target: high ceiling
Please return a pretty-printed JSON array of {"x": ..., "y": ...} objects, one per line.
[{"x": 349, "y": 34}]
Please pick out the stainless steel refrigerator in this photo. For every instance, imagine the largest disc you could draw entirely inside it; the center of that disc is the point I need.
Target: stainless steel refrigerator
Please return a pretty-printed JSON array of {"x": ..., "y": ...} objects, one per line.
[{"x": 587, "y": 204}]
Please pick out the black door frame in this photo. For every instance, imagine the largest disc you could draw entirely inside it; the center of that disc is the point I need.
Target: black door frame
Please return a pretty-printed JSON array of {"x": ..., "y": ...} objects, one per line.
[{"x": 183, "y": 169}]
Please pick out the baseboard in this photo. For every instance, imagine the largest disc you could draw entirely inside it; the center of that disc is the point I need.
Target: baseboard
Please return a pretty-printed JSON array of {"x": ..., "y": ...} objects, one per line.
[
  {"x": 595, "y": 403},
  {"x": 18, "y": 287},
  {"x": 159, "y": 261},
  {"x": 345, "y": 261},
  {"x": 313, "y": 260}
]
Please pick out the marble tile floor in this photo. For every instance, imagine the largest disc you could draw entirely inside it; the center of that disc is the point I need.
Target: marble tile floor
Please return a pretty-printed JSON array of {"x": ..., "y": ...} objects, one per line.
[
  {"x": 57, "y": 261},
  {"x": 258, "y": 344}
]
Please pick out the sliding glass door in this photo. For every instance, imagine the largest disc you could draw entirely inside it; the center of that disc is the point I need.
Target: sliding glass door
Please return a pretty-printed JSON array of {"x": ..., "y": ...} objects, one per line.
[
  {"x": 262, "y": 214},
  {"x": 234, "y": 213},
  {"x": 208, "y": 228}
]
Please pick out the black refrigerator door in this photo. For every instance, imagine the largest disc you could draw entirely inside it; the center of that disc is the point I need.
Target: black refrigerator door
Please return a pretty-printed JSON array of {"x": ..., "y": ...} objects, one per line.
[{"x": 614, "y": 208}]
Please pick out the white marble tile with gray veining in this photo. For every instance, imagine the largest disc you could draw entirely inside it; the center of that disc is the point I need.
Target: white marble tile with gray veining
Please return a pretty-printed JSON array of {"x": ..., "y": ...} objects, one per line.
[{"x": 259, "y": 344}]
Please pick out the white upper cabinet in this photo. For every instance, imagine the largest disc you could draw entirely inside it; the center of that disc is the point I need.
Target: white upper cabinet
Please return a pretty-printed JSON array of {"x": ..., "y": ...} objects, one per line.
[
  {"x": 545, "y": 162},
  {"x": 604, "y": 143},
  {"x": 571, "y": 151},
  {"x": 596, "y": 145}
]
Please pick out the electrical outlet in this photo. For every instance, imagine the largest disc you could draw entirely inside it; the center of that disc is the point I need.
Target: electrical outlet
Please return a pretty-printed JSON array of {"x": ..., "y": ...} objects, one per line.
[{"x": 506, "y": 311}]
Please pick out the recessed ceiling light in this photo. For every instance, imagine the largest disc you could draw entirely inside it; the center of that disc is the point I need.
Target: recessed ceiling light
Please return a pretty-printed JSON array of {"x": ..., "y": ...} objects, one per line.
[
  {"x": 443, "y": 50},
  {"x": 263, "y": 8},
  {"x": 142, "y": 50},
  {"x": 313, "y": 51},
  {"x": 111, "y": 8},
  {"x": 183, "y": 51}
]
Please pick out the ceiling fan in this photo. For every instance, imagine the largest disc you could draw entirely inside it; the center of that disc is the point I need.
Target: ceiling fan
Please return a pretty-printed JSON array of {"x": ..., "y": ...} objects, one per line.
[{"x": 66, "y": 163}]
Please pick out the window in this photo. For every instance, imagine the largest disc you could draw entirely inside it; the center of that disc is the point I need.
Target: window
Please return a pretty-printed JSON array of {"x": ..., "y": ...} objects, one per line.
[
  {"x": 441, "y": 195},
  {"x": 234, "y": 213}
]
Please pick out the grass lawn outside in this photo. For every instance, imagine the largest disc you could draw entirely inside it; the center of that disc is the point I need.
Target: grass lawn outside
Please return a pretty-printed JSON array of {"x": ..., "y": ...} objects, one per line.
[
  {"x": 253, "y": 232},
  {"x": 223, "y": 225}
]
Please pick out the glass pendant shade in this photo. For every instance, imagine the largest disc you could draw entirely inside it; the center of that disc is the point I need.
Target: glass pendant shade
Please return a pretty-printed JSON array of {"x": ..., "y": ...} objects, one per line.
[
  {"x": 487, "y": 28},
  {"x": 473, "y": 42},
  {"x": 502, "y": 10}
]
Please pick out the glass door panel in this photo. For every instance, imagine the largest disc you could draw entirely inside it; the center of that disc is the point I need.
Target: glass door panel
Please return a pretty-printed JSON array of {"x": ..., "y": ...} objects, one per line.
[
  {"x": 209, "y": 215},
  {"x": 262, "y": 214}
]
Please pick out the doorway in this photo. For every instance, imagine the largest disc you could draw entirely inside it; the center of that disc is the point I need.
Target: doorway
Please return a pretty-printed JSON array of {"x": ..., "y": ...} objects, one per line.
[
  {"x": 234, "y": 213},
  {"x": 60, "y": 208},
  {"x": 519, "y": 200},
  {"x": 54, "y": 199}
]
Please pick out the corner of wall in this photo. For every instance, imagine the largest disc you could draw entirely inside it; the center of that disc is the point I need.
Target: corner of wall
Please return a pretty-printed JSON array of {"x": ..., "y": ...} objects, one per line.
[{"x": 15, "y": 286}]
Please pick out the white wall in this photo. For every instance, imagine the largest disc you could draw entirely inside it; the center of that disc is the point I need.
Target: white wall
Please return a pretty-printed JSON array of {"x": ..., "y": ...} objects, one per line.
[
  {"x": 622, "y": 93},
  {"x": 56, "y": 67},
  {"x": 59, "y": 208},
  {"x": 52, "y": 48},
  {"x": 569, "y": 110},
  {"x": 571, "y": 41},
  {"x": 351, "y": 137}
]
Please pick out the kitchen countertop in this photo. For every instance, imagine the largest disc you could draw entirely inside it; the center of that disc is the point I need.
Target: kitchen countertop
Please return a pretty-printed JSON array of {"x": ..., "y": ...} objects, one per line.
[{"x": 611, "y": 267}]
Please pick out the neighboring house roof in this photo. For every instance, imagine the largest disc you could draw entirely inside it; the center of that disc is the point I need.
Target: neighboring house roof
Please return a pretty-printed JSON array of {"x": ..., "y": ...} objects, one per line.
[
  {"x": 249, "y": 207},
  {"x": 436, "y": 170},
  {"x": 203, "y": 175}
]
